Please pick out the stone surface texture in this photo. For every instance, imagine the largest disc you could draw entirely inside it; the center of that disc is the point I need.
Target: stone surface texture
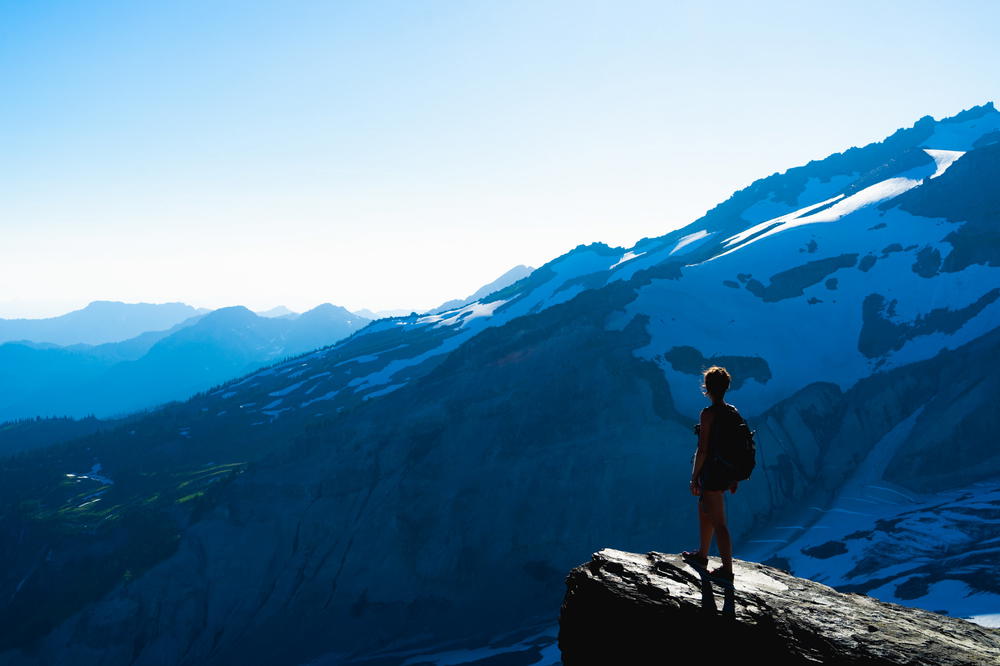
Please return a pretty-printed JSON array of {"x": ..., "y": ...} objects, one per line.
[{"x": 626, "y": 608}]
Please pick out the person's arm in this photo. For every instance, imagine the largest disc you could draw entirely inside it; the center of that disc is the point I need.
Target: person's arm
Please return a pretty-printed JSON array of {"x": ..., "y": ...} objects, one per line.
[{"x": 700, "y": 457}]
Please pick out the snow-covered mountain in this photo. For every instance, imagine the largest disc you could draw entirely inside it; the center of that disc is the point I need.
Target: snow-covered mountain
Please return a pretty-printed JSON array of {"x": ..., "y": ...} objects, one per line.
[
  {"x": 433, "y": 476},
  {"x": 509, "y": 277},
  {"x": 835, "y": 241}
]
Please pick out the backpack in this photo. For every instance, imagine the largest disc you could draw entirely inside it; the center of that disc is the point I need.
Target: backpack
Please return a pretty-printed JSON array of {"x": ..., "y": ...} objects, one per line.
[{"x": 732, "y": 443}]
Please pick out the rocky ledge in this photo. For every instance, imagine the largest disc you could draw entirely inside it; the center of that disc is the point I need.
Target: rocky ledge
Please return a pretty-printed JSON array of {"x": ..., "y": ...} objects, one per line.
[{"x": 624, "y": 608}]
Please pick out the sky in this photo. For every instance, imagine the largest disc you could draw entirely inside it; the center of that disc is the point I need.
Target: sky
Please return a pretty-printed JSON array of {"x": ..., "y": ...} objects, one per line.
[{"x": 391, "y": 155}]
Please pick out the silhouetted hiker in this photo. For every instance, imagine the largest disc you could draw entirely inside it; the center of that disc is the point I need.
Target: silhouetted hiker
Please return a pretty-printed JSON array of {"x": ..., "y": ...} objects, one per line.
[{"x": 710, "y": 478}]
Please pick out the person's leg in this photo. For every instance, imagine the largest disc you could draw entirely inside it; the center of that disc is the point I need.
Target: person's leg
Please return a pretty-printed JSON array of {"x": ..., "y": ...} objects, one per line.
[
  {"x": 705, "y": 528},
  {"x": 715, "y": 510}
]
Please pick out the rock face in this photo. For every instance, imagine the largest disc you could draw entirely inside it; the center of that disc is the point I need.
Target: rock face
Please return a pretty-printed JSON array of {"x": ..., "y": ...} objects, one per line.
[{"x": 656, "y": 608}]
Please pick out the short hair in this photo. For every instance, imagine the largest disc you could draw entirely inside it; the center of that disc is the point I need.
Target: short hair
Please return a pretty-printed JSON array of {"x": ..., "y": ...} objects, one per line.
[{"x": 716, "y": 381}]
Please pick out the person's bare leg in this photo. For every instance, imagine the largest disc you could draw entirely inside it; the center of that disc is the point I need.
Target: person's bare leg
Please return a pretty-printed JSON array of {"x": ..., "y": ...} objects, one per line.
[
  {"x": 715, "y": 509},
  {"x": 705, "y": 528}
]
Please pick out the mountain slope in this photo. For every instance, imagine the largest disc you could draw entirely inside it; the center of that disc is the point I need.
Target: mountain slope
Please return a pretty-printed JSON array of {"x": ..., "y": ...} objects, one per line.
[
  {"x": 378, "y": 490},
  {"x": 511, "y": 276}
]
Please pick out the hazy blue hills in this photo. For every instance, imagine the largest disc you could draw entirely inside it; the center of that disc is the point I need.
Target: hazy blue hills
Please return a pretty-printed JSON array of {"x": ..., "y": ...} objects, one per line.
[
  {"x": 279, "y": 311},
  {"x": 99, "y": 322},
  {"x": 432, "y": 477},
  {"x": 156, "y": 367},
  {"x": 380, "y": 314}
]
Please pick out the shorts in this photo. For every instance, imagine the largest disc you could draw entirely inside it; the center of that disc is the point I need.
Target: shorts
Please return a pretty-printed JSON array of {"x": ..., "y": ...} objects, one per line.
[{"x": 714, "y": 476}]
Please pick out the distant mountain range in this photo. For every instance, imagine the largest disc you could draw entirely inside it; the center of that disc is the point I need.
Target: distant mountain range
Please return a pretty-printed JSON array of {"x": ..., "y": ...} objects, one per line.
[
  {"x": 433, "y": 476},
  {"x": 155, "y": 367},
  {"x": 381, "y": 314},
  {"x": 281, "y": 311},
  {"x": 39, "y": 377},
  {"x": 98, "y": 323}
]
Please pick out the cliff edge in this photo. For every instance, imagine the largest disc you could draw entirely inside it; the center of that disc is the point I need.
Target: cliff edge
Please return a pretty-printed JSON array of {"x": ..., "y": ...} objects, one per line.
[{"x": 657, "y": 608}]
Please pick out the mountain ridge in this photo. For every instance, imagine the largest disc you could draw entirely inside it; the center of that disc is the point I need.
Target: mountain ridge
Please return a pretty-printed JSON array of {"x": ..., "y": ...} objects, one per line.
[
  {"x": 115, "y": 378},
  {"x": 578, "y": 381},
  {"x": 97, "y": 323}
]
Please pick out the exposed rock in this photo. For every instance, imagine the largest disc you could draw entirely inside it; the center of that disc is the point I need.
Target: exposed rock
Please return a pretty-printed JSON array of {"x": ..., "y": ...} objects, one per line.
[
  {"x": 880, "y": 333},
  {"x": 966, "y": 193},
  {"x": 928, "y": 262},
  {"x": 626, "y": 608},
  {"x": 793, "y": 282},
  {"x": 690, "y": 361}
]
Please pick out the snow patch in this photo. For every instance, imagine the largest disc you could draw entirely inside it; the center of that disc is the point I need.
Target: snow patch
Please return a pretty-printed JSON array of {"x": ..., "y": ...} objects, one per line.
[
  {"x": 502, "y": 649},
  {"x": 326, "y": 396},
  {"x": 462, "y": 315},
  {"x": 943, "y": 159},
  {"x": 628, "y": 256},
  {"x": 758, "y": 228},
  {"x": 383, "y": 391},
  {"x": 814, "y": 190},
  {"x": 94, "y": 475},
  {"x": 687, "y": 240},
  {"x": 288, "y": 389},
  {"x": 364, "y": 358},
  {"x": 873, "y": 194},
  {"x": 833, "y": 209},
  {"x": 962, "y": 135},
  {"x": 257, "y": 375}
]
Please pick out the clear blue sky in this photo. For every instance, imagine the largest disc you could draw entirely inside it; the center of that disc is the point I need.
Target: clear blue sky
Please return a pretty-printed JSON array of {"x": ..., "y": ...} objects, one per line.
[{"x": 398, "y": 154}]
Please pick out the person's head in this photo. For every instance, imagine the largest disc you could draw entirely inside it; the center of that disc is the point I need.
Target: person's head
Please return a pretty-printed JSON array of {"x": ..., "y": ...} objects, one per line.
[{"x": 715, "y": 382}]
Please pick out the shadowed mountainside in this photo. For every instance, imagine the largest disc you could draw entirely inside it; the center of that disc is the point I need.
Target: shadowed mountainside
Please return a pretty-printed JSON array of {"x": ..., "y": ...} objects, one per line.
[{"x": 378, "y": 490}]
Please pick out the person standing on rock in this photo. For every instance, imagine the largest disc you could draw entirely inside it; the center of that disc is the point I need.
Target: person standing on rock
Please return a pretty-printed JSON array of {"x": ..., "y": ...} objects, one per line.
[{"x": 709, "y": 477}]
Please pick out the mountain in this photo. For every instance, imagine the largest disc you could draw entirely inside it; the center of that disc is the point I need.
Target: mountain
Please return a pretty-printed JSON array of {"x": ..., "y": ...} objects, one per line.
[
  {"x": 511, "y": 276},
  {"x": 279, "y": 311},
  {"x": 27, "y": 434},
  {"x": 381, "y": 314},
  {"x": 99, "y": 322},
  {"x": 431, "y": 477},
  {"x": 156, "y": 367},
  {"x": 321, "y": 326}
]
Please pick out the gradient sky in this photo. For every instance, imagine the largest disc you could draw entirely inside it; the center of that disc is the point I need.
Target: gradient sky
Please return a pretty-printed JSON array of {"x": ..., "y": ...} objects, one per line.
[{"x": 398, "y": 154}]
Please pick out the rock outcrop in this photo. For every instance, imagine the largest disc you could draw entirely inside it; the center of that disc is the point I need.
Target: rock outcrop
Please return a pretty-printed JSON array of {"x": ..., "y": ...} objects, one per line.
[{"x": 626, "y": 608}]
